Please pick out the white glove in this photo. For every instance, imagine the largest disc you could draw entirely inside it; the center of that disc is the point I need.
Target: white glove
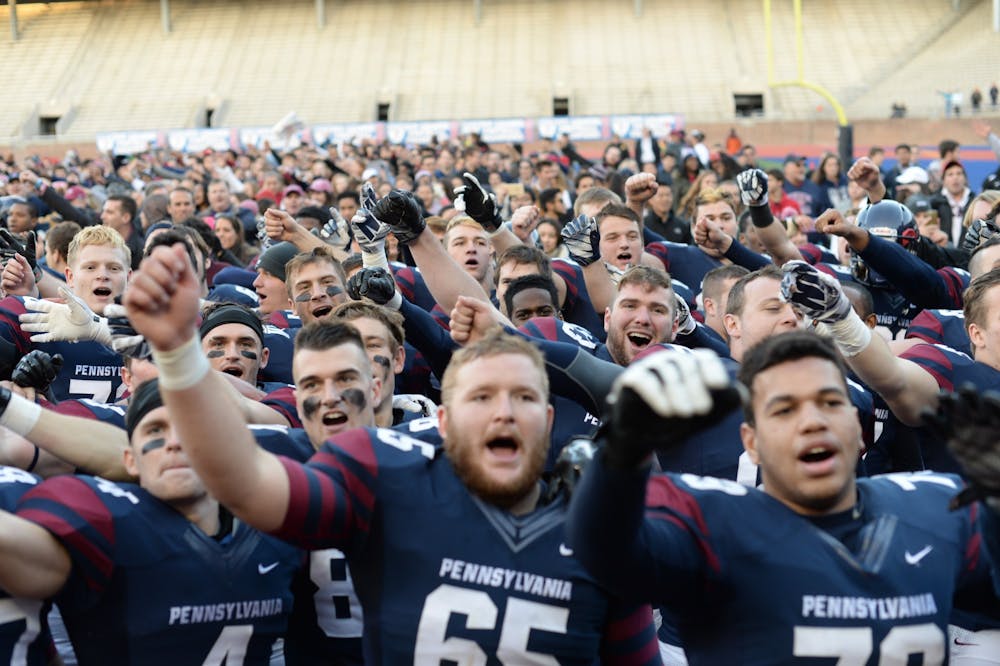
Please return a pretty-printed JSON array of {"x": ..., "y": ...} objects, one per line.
[
  {"x": 415, "y": 403},
  {"x": 71, "y": 321},
  {"x": 821, "y": 298},
  {"x": 753, "y": 187},
  {"x": 675, "y": 382},
  {"x": 686, "y": 324}
]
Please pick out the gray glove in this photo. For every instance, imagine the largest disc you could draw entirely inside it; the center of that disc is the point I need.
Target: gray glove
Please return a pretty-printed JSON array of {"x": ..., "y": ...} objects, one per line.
[
  {"x": 753, "y": 187},
  {"x": 583, "y": 240},
  {"x": 813, "y": 293}
]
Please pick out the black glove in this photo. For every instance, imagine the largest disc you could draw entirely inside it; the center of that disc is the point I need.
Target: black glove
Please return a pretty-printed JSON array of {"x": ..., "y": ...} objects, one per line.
[
  {"x": 10, "y": 246},
  {"x": 661, "y": 400},
  {"x": 978, "y": 233},
  {"x": 568, "y": 469},
  {"x": 375, "y": 284},
  {"x": 402, "y": 213},
  {"x": 37, "y": 370},
  {"x": 480, "y": 205},
  {"x": 969, "y": 421}
]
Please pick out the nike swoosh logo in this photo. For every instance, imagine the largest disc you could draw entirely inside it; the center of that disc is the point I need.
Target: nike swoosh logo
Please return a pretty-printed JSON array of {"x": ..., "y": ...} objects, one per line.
[
  {"x": 958, "y": 642},
  {"x": 565, "y": 551},
  {"x": 261, "y": 569},
  {"x": 916, "y": 557}
]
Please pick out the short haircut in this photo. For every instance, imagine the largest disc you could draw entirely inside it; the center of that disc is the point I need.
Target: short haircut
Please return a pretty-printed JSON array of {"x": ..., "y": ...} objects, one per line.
[
  {"x": 712, "y": 195},
  {"x": 535, "y": 281},
  {"x": 99, "y": 235},
  {"x": 601, "y": 196},
  {"x": 127, "y": 204},
  {"x": 903, "y": 146},
  {"x": 526, "y": 254},
  {"x": 776, "y": 174},
  {"x": 392, "y": 320},
  {"x": 183, "y": 190},
  {"x": 617, "y": 210},
  {"x": 461, "y": 221},
  {"x": 352, "y": 262},
  {"x": 317, "y": 255},
  {"x": 783, "y": 348},
  {"x": 947, "y": 146},
  {"x": 737, "y": 294},
  {"x": 172, "y": 236},
  {"x": 711, "y": 284},
  {"x": 975, "y": 296},
  {"x": 59, "y": 237},
  {"x": 992, "y": 241},
  {"x": 493, "y": 344},
  {"x": 865, "y": 303},
  {"x": 32, "y": 210},
  {"x": 154, "y": 208},
  {"x": 348, "y": 194},
  {"x": 326, "y": 334}
]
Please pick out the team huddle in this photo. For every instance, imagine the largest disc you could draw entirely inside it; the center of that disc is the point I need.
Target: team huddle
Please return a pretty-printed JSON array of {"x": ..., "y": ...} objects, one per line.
[{"x": 641, "y": 453}]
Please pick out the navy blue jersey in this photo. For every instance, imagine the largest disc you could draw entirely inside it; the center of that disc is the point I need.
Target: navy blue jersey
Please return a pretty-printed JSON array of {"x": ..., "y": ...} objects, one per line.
[
  {"x": 751, "y": 581},
  {"x": 90, "y": 370},
  {"x": 445, "y": 576},
  {"x": 411, "y": 285},
  {"x": 148, "y": 587},
  {"x": 326, "y": 622},
  {"x": 282, "y": 400},
  {"x": 893, "y": 311},
  {"x": 941, "y": 327},
  {"x": 281, "y": 342},
  {"x": 24, "y": 632},
  {"x": 576, "y": 307},
  {"x": 687, "y": 263},
  {"x": 285, "y": 319},
  {"x": 91, "y": 409}
]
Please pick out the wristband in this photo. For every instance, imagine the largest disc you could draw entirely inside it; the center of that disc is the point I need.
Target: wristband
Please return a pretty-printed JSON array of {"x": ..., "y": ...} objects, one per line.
[
  {"x": 183, "y": 367},
  {"x": 20, "y": 414},
  {"x": 850, "y": 334}
]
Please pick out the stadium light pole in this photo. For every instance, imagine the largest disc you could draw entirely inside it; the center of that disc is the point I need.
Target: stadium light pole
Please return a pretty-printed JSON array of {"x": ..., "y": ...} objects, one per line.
[
  {"x": 13, "y": 20},
  {"x": 165, "y": 15},
  {"x": 845, "y": 131},
  {"x": 321, "y": 13}
]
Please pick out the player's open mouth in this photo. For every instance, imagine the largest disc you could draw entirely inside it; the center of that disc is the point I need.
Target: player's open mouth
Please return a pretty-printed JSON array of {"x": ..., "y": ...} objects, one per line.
[
  {"x": 334, "y": 418},
  {"x": 102, "y": 291},
  {"x": 322, "y": 311},
  {"x": 816, "y": 454},
  {"x": 639, "y": 339},
  {"x": 625, "y": 257},
  {"x": 234, "y": 370},
  {"x": 473, "y": 263}
]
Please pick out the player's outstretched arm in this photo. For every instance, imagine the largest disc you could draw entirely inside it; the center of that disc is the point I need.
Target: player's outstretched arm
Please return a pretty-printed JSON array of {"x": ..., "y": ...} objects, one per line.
[
  {"x": 905, "y": 386},
  {"x": 753, "y": 192},
  {"x": 445, "y": 278},
  {"x": 162, "y": 304},
  {"x": 33, "y": 564},
  {"x": 657, "y": 401}
]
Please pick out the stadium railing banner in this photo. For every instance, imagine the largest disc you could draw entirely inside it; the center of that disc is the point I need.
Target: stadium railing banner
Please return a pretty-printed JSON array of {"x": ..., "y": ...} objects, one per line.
[{"x": 491, "y": 130}]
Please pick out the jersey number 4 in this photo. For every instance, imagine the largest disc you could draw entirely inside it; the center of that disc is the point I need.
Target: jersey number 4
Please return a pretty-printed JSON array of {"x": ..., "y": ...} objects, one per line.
[{"x": 520, "y": 619}]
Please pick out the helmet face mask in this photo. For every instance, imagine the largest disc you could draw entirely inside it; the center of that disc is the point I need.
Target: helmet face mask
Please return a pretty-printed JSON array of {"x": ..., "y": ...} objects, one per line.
[{"x": 892, "y": 221}]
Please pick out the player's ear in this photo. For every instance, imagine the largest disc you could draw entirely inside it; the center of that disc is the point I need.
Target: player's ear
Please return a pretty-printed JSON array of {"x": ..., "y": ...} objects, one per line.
[
  {"x": 975, "y": 335},
  {"x": 129, "y": 460},
  {"x": 732, "y": 325},
  {"x": 749, "y": 436},
  {"x": 442, "y": 416},
  {"x": 399, "y": 361}
]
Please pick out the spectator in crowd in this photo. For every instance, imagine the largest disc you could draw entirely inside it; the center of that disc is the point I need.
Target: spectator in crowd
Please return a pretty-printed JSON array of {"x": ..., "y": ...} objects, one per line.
[
  {"x": 830, "y": 176},
  {"x": 953, "y": 200}
]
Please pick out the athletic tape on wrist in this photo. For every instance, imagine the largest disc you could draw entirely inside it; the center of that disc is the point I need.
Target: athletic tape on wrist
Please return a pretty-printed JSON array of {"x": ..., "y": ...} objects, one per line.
[
  {"x": 183, "y": 367},
  {"x": 850, "y": 334},
  {"x": 21, "y": 415}
]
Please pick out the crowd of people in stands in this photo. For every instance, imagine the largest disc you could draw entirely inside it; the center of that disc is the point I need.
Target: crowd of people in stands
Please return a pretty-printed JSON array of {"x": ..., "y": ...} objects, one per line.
[{"x": 462, "y": 403}]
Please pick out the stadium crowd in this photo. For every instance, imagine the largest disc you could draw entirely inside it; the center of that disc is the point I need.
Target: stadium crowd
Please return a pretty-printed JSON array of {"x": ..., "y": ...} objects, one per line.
[{"x": 459, "y": 403}]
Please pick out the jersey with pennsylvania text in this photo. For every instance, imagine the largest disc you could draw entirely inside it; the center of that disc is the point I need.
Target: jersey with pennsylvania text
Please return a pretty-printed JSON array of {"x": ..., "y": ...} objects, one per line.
[
  {"x": 24, "y": 631},
  {"x": 873, "y": 585},
  {"x": 89, "y": 370},
  {"x": 446, "y": 577},
  {"x": 148, "y": 587}
]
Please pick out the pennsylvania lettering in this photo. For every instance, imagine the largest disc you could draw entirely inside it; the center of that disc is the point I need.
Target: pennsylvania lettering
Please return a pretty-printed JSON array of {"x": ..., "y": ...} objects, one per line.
[
  {"x": 239, "y": 610},
  {"x": 508, "y": 579}
]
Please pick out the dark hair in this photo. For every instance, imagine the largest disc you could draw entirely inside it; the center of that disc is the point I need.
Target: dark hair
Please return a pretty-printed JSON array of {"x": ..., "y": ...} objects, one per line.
[
  {"x": 783, "y": 348},
  {"x": 617, "y": 210},
  {"x": 866, "y": 306},
  {"x": 127, "y": 204},
  {"x": 60, "y": 235},
  {"x": 348, "y": 194},
  {"x": 325, "y": 334},
  {"x": 547, "y": 196},
  {"x": 529, "y": 282},
  {"x": 168, "y": 238},
  {"x": 947, "y": 146}
]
